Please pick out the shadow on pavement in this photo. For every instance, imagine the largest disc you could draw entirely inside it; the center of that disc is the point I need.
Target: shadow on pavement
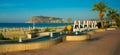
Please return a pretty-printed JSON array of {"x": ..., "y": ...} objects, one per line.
[{"x": 95, "y": 39}]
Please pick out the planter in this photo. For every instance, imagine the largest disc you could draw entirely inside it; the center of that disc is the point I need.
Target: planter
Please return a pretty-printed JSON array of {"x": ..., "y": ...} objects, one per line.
[
  {"x": 76, "y": 38},
  {"x": 99, "y": 30},
  {"x": 111, "y": 28}
]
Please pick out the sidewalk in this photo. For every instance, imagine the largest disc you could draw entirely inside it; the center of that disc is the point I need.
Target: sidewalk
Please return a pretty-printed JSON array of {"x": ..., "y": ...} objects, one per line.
[{"x": 106, "y": 43}]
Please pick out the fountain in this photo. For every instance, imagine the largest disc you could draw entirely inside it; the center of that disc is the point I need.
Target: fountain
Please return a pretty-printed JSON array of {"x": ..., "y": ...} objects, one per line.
[
  {"x": 51, "y": 34},
  {"x": 46, "y": 41},
  {"x": 81, "y": 30},
  {"x": 76, "y": 33},
  {"x": 30, "y": 44},
  {"x": 20, "y": 39},
  {"x": 60, "y": 33}
]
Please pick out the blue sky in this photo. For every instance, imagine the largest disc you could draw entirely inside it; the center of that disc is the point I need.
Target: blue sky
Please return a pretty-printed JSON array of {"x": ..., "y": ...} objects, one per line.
[{"x": 23, "y": 10}]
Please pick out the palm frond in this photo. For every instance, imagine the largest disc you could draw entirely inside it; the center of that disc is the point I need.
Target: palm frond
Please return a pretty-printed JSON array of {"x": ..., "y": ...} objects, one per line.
[{"x": 100, "y": 7}]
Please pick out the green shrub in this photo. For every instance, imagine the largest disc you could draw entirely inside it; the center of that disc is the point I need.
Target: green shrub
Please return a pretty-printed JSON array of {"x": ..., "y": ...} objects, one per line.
[
  {"x": 118, "y": 24},
  {"x": 47, "y": 29},
  {"x": 99, "y": 25},
  {"x": 16, "y": 38},
  {"x": 1, "y": 36},
  {"x": 53, "y": 30},
  {"x": 6, "y": 39},
  {"x": 65, "y": 29},
  {"x": 35, "y": 30}
]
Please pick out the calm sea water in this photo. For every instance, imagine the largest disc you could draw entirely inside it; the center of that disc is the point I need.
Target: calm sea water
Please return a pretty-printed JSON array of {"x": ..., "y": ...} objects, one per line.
[{"x": 27, "y": 25}]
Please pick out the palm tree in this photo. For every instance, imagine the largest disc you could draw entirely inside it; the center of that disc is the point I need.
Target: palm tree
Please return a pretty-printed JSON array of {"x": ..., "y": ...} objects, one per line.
[
  {"x": 101, "y": 8},
  {"x": 112, "y": 13}
]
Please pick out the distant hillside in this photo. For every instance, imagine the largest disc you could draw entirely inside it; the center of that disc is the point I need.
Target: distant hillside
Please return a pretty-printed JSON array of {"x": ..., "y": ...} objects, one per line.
[{"x": 45, "y": 19}]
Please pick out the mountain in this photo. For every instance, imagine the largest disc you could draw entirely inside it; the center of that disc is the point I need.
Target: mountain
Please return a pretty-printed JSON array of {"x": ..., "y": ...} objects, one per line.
[{"x": 46, "y": 19}]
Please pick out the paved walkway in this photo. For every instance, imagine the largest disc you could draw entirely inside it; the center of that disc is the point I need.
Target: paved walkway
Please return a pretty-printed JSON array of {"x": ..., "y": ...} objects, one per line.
[{"x": 106, "y": 43}]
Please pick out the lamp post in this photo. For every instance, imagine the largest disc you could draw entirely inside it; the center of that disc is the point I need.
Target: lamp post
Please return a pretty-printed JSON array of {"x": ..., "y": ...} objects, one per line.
[{"x": 60, "y": 32}]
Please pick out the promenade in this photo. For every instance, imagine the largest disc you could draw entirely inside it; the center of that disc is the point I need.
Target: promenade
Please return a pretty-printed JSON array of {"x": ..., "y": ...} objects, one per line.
[{"x": 103, "y": 43}]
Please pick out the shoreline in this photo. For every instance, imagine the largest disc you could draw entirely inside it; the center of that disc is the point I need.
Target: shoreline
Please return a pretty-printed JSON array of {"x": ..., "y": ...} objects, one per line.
[{"x": 30, "y": 25}]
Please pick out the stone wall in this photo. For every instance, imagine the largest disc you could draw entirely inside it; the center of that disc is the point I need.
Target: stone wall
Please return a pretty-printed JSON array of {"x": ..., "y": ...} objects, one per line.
[
  {"x": 43, "y": 34},
  {"x": 29, "y": 46}
]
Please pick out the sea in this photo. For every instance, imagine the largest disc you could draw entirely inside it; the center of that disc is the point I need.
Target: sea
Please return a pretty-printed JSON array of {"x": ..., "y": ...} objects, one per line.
[{"x": 27, "y": 25}]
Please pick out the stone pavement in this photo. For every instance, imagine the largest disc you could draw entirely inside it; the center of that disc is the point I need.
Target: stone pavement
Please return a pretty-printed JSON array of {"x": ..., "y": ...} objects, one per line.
[{"x": 106, "y": 43}]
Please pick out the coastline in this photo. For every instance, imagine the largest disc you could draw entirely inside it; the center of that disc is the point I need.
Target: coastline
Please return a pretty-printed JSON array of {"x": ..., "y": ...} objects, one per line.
[{"x": 31, "y": 25}]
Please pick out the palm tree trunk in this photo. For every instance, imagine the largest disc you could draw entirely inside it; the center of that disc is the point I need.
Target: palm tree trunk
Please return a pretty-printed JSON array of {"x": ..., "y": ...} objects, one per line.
[
  {"x": 102, "y": 22},
  {"x": 112, "y": 21},
  {"x": 101, "y": 14}
]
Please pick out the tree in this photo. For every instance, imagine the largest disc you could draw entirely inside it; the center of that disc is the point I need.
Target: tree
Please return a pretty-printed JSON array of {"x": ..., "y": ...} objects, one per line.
[
  {"x": 112, "y": 13},
  {"x": 101, "y": 8}
]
